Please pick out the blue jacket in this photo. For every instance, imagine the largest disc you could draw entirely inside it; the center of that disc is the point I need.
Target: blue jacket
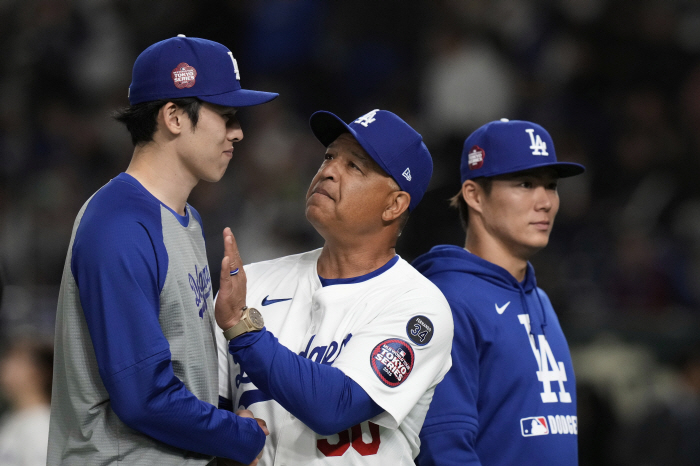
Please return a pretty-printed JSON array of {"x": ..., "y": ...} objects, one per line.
[{"x": 510, "y": 397}]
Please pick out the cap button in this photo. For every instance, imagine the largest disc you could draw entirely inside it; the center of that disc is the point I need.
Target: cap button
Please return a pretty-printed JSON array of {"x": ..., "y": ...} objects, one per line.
[
  {"x": 181, "y": 35},
  {"x": 505, "y": 120}
]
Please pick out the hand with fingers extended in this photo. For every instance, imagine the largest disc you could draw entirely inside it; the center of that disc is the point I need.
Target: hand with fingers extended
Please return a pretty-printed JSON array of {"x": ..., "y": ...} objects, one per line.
[
  {"x": 263, "y": 426},
  {"x": 230, "y": 301}
]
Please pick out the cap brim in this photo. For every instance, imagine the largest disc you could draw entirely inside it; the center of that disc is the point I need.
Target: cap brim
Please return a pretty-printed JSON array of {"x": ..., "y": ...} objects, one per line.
[
  {"x": 566, "y": 169},
  {"x": 563, "y": 170},
  {"x": 327, "y": 127},
  {"x": 239, "y": 98}
]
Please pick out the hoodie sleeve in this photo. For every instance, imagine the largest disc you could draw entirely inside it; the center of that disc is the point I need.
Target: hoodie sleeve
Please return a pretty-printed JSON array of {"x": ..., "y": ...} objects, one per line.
[{"x": 451, "y": 426}]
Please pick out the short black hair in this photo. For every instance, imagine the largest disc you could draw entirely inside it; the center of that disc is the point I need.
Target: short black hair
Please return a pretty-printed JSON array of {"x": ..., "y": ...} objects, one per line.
[
  {"x": 457, "y": 201},
  {"x": 140, "y": 119}
]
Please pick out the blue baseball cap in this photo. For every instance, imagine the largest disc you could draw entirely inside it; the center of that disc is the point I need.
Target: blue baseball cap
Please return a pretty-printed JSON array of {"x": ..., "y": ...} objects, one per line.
[
  {"x": 390, "y": 141},
  {"x": 509, "y": 146},
  {"x": 191, "y": 67}
]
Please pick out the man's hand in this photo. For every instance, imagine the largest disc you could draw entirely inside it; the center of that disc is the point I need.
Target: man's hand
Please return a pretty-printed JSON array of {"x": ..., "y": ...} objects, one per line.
[
  {"x": 261, "y": 423},
  {"x": 232, "y": 285},
  {"x": 263, "y": 426}
]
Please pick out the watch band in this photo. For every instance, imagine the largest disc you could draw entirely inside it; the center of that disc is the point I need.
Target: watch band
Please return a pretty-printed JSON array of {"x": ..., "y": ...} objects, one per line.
[{"x": 248, "y": 323}]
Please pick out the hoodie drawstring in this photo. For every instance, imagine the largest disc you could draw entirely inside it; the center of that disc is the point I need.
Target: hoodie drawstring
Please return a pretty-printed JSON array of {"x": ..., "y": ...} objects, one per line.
[
  {"x": 544, "y": 314},
  {"x": 523, "y": 302}
]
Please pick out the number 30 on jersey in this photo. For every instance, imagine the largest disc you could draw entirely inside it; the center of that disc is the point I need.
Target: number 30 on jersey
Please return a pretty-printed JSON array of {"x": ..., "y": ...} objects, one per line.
[{"x": 354, "y": 438}]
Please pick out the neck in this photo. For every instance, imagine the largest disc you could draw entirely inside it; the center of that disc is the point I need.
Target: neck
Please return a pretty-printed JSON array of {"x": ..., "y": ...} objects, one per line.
[
  {"x": 169, "y": 182},
  {"x": 489, "y": 249},
  {"x": 338, "y": 261}
]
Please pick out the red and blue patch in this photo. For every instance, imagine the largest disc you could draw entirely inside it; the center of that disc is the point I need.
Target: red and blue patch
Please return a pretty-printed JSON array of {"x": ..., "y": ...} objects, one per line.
[
  {"x": 392, "y": 361},
  {"x": 533, "y": 426}
]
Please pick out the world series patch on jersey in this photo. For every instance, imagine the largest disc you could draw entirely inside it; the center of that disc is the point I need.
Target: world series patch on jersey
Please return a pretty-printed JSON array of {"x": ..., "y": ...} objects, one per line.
[{"x": 390, "y": 331}]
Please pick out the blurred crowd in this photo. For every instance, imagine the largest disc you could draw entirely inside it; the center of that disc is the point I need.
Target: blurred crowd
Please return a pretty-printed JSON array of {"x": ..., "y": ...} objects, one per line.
[{"x": 615, "y": 82}]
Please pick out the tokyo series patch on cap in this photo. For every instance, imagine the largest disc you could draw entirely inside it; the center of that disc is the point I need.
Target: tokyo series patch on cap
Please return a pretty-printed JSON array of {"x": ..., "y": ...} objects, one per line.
[{"x": 184, "y": 76}]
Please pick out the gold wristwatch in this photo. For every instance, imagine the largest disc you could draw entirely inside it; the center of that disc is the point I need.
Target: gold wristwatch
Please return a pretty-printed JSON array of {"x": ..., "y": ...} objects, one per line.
[{"x": 251, "y": 321}]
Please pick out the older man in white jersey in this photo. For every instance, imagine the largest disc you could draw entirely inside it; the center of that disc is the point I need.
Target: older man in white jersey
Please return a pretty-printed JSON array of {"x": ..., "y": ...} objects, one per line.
[{"x": 355, "y": 339}]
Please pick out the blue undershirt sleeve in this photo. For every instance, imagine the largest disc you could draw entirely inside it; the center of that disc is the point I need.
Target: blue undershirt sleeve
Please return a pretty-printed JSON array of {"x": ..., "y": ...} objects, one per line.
[
  {"x": 320, "y": 396},
  {"x": 119, "y": 278}
]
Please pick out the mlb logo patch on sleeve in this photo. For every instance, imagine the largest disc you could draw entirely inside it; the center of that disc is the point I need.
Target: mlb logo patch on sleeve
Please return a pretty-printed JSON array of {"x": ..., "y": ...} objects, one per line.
[{"x": 392, "y": 361}]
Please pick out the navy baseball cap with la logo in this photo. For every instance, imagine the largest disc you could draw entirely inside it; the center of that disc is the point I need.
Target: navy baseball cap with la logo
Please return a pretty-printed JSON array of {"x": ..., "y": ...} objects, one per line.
[
  {"x": 506, "y": 146},
  {"x": 390, "y": 141},
  {"x": 191, "y": 67}
]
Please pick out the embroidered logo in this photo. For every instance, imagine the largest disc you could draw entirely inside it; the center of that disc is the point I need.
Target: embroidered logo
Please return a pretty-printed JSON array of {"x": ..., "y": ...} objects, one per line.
[
  {"x": 501, "y": 309},
  {"x": 420, "y": 330},
  {"x": 533, "y": 426},
  {"x": 551, "y": 425},
  {"x": 200, "y": 284},
  {"x": 235, "y": 66},
  {"x": 549, "y": 369},
  {"x": 324, "y": 354},
  {"x": 367, "y": 118},
  {"x": 267, "y": 302},
  {"x": 184, "y": 76},
  {"x": 539, "y": 147},
  {"x": 407, "y": 174},
  {"x": 392, "y": 361},
  {"x": 476, "y": 157}
]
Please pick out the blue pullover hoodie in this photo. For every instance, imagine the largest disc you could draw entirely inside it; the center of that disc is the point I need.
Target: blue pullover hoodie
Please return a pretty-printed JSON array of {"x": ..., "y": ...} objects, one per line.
[{"x": 510, "y": 396}]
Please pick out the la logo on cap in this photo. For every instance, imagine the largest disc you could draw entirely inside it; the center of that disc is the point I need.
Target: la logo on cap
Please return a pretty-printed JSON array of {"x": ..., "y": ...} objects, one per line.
[
  {"x": 368, "y": 118},
  {"x": 476, "y": 157},
  {"x": 539, "y": 147}
]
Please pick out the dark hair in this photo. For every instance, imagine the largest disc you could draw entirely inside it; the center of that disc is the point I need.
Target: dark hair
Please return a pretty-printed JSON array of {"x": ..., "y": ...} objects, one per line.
[
  {"x": 457, "y": 201},
  {"x": 140, "y": 119}
]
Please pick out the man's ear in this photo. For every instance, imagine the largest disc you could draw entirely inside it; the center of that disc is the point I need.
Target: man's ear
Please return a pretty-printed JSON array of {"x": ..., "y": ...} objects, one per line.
[
  {"x": 473, "y": 195},
  {"x": 172, "y": 118},
  {"x": 398, "y": 202}
]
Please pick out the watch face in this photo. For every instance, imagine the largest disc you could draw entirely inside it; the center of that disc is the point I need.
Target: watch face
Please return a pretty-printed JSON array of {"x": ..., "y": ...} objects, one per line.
[{"x": 256, "y": 318}]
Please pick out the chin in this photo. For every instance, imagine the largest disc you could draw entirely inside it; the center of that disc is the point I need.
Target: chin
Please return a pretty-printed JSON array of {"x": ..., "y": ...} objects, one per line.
[
  {"x": 537, "y": 245},
  {"x": 312, "y": 213},
  {"x": 214, "y": 177}
]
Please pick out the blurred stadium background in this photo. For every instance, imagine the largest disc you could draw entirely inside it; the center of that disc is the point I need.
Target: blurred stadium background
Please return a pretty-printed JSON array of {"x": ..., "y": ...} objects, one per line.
[{"x": 616, "y": 82}]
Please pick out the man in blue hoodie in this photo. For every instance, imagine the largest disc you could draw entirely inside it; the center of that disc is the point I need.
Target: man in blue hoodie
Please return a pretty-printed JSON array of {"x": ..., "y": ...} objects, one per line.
[{"x": 510, "y": 396}]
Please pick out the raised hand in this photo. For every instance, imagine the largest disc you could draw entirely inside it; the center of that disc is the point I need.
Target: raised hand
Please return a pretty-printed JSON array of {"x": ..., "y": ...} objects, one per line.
[{"x": 232, "y": 285}]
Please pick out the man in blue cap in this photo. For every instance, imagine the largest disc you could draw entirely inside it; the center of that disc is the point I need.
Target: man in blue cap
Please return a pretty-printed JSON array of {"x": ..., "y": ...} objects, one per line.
[
  {"x": 510, "y": 397},
  {"x": 135, "y": 371},
  {"x": 355, "y": 338}
]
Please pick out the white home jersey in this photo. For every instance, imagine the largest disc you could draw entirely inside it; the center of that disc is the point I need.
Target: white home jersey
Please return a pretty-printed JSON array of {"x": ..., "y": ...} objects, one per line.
[{"x": 390, "y": 331}]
